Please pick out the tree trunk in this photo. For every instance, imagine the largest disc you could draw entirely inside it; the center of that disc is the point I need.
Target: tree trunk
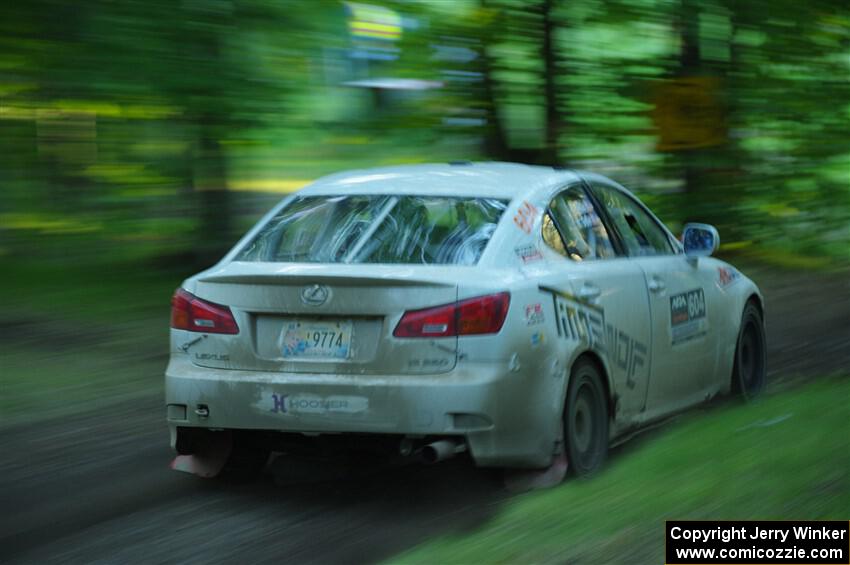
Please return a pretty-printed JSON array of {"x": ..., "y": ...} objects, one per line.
[
  {"x": 495, "y": 143},
  {"x": 215, "y": 235},
  {"x": 550, "y": 88},
  {"x": 689, "y": 65}
]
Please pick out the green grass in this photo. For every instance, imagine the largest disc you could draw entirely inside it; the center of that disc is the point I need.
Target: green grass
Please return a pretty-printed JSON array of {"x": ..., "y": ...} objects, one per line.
[{"x": 786, "y": 457}]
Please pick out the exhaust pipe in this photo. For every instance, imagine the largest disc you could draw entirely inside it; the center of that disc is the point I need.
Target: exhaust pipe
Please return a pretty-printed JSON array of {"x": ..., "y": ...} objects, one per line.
[
  {"x": 405, "y": 447},
  {"x": 441, "y": 450}
]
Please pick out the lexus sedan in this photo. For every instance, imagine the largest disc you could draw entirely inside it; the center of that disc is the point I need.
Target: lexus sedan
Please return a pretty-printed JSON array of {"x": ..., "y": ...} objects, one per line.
[{"x": 522, "y": 314}]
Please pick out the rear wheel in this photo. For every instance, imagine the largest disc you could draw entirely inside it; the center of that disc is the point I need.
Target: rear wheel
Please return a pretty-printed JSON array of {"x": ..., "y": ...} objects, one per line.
[
  {"x": 749, "y": 375},
  {"x": 586, "y": 419}
]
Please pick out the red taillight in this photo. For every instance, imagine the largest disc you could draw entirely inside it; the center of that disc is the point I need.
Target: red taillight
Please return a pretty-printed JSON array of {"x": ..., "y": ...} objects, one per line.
[
  {"x": 483, "y": 315},
  {"x": 188, "y": 312},
  {"x": 431, "y": 322},
  {"x": 473, "y": 316}
]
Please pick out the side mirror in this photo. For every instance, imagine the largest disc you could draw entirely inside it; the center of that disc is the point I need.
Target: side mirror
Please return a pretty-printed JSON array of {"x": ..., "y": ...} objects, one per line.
[{"x": 700, "y": 240}]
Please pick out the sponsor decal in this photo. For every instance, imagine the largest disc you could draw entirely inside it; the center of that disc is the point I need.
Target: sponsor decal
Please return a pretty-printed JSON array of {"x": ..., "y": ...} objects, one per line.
[
  {"x": 534, "y": 314},
  {"x": 312, "y": 404},
  {"x": 687, "y": 315},
  {"x": 537, "y": 339},
  {"x": 727, "y": 276},
  {"x": 583, "y": 322},
  {"x": 524, "y": 217},
  {"x": 528, "y": 253}
]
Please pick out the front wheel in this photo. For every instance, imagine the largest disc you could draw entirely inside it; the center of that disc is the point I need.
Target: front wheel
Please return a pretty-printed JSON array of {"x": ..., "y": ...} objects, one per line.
[
  {"x": 749, "y": 375},
  {"x": 586, "y": 419}
]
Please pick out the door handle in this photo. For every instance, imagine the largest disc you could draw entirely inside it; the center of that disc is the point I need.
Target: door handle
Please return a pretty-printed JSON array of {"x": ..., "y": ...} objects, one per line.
[
  {"x": 656, "y": 285},
  {"x": 589, "y": 292}
]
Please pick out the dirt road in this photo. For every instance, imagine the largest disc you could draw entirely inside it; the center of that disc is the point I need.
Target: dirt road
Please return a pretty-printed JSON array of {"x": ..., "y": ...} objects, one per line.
[{"x": 96, "y": 487}]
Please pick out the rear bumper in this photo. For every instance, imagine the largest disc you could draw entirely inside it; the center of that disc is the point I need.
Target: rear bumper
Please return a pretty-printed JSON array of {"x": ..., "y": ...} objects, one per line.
[{"x": 485, "y": 403}]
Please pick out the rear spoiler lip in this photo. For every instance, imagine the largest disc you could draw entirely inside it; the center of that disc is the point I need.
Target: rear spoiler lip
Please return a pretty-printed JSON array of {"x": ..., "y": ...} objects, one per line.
[
  {"x": 334, "y": 274},
  {"x": 285, "y": 279},
  {"x": 358, "y": 275}
]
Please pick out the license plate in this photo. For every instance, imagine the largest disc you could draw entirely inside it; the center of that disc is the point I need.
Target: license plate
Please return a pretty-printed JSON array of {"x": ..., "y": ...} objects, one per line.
[{"x": 317, "y": 340}]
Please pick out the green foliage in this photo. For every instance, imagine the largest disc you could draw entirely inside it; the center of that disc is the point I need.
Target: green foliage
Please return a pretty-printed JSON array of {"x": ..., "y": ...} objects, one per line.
[{"x": 115, "y": 111}]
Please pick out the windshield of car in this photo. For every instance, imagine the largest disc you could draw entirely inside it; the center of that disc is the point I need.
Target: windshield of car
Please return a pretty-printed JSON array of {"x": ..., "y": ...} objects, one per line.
[{"x": 429, "y": 230}]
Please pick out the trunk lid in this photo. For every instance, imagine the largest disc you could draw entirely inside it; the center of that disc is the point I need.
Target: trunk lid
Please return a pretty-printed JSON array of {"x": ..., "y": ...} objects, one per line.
[{"x": 328, "y": 318}]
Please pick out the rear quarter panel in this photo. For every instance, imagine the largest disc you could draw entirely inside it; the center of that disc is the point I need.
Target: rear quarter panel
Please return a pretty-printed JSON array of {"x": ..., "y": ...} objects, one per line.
[{"x": 527, "y": 403}]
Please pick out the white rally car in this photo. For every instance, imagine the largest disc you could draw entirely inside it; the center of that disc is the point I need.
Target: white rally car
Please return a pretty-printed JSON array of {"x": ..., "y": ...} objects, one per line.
[{"x": 520, "y": 313}]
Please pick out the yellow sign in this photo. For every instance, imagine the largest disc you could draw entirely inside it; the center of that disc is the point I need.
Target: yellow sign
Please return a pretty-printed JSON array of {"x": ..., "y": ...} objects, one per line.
[
  {"x": 688, "y": 113},
  {"x": 373, "y": 22}
]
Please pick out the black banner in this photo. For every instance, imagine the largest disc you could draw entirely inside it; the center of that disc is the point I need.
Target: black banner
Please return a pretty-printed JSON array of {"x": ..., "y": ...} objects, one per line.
[{"x": 758, "y": 543}]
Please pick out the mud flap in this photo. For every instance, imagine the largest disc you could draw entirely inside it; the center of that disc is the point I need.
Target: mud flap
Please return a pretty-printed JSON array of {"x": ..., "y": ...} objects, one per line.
[
  {"x": 209, "y": 457},
  {"x": 523, "y": 480}
]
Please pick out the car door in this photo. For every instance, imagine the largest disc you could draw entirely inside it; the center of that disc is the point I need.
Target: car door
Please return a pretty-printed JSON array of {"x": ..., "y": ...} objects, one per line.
[
  {"x": 680, "y": 300},
  {"x": 599, "y": 296}
]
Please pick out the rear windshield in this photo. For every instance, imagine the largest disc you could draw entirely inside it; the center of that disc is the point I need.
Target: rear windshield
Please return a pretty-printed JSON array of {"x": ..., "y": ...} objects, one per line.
[{"x": 430, "y": 230}]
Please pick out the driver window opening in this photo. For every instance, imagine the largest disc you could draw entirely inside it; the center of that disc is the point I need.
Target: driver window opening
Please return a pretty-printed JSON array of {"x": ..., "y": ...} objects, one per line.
[{"x": 640, "y": 233}]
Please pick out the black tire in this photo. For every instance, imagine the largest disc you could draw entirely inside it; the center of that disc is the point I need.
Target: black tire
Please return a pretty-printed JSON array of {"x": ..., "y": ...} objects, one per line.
[
  {"x": 586, "y": 420},
  {"x": 749, "y": 373}
]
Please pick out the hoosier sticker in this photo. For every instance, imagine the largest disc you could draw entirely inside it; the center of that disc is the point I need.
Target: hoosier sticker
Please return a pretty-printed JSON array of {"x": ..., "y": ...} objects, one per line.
[
  {"x": 313, "y": 404},
  {"x": 687, "y": 315}
]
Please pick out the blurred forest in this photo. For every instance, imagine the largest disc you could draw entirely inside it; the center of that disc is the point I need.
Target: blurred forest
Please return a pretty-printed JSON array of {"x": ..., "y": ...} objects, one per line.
[{"x": 157, "y": 131}]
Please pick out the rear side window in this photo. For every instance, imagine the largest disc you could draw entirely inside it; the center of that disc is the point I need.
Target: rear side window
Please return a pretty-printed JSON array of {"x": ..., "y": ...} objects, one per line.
[{"x": 429, "y": 230}]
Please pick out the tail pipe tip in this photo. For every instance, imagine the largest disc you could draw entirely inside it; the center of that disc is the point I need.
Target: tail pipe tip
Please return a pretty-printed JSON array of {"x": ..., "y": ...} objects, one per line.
[{"x": 442, "y": 450}]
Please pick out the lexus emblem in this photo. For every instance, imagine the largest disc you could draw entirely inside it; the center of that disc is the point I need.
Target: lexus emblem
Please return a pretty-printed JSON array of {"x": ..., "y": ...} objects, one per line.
[{"x": 315, "y": 294}]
